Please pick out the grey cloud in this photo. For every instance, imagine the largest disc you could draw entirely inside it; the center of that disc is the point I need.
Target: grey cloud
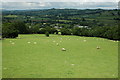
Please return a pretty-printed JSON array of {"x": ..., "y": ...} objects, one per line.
[{"x": 48, "y": 5}]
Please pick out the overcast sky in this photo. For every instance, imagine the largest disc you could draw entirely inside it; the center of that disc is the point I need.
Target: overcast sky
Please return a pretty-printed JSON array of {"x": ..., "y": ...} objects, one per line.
[
  {"x": 47, "y": 4},
  {"x": 60, "y": 0}
]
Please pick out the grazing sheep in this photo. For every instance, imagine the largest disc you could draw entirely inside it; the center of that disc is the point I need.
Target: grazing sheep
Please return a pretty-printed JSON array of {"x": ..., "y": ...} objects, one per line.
[
  {"x": 63, "y": 49},
  {"x": 35, "y": 42},
  {"x": 28, "y": 42},
  {"x": 98, "y": 47},
  {"x": 53, "y": 41},
  {"x": 13, "y": 43},
  {"x": 114, "y": 41},
  {"x": 84, "y": 40},
  {"x": 57, "y": 44},
  {"x": 72, "y": 64}
]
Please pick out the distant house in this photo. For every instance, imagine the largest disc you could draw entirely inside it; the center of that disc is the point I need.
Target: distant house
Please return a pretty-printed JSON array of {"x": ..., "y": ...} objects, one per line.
[
  {"x": 31, "y": 17},
  {"x": 81, "y": 26},
  {"x": 57, "y": 27}
]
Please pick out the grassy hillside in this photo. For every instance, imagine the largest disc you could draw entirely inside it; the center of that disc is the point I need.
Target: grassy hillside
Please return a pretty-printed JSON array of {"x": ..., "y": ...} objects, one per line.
[
  {"x": 37, "y": 56},
  {"x": 0, "y": 59}
]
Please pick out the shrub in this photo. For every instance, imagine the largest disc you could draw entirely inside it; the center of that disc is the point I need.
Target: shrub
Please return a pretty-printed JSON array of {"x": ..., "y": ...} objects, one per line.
[
  {"x": 47, "y": 34},
  {"x": 9, "y": 31},
  {"x": 20, "y": 26}
]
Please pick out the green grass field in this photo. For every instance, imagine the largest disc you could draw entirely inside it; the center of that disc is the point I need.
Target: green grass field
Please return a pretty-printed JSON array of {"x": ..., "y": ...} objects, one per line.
[
  {"x": 36, "y": 56},
  {"x": 0, "y": 59},
  {"x": 11, "y": 16}
]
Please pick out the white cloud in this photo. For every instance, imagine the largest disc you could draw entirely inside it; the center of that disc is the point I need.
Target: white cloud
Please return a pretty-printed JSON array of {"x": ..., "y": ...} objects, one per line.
[
  {"x": 60, "y": 0},
  {"x": 48, "y": 5}
]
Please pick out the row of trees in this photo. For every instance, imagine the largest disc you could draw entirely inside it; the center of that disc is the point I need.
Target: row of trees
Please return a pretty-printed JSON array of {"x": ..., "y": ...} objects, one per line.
[
  {"x": 104, "y": 32},
  {"x": 11, "y": 30}
]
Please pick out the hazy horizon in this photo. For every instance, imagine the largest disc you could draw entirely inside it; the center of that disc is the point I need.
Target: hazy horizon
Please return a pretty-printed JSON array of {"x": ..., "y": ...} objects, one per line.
[{"x": 58, "y": 5}]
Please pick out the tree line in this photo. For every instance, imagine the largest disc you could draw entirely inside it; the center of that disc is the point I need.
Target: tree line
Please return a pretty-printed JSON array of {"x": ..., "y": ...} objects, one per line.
[{"x": 11, "y": 30}]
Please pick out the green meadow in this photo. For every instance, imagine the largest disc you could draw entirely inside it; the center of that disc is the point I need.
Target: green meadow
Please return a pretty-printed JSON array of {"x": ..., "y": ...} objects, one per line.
[
  {"x": 37, "y": 56},
  {"x": 0, "y": 59},
  {"x": 11, "y": 16}
]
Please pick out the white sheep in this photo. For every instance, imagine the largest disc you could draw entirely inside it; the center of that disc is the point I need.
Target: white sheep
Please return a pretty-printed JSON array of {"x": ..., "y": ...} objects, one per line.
[
  {"x": 63, "y": 49},
  {"x": 114, "y": 41},
  {"x": 35, "y": 42},
  {"x": 28, "y": 42},
  {"x": 72, "y": 64},
  {"x": 13, "y": 43},
  {"x": 57, "y": 44},
  {"x": 84, "y": 40},
  {"x": 98, "y": 47},
  {"x": 53, "y": 41}
]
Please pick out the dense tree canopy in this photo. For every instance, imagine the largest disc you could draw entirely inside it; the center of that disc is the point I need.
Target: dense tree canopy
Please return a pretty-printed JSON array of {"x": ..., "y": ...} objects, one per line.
[{"x": 9, "y": 31}]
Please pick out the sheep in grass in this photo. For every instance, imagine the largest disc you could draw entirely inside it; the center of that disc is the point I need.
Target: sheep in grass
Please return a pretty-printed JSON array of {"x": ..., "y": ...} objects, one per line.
[
  {"x": 98, "y": 47},
  {"x": 63, "y": 49},
  {"x": 35, "y": 42},
  {"x": 72, "y": 64},
  {"x": 28, "y": 42},
  {"x": 53, "y": 41},
  {"x": 57, "y": 44},
  {"x": 13, "y": 43},
  {"x": 84, "y": 40}
]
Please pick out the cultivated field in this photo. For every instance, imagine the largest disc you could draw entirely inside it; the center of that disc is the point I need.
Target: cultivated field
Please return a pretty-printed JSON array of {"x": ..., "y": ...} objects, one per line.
[{"x": 37, "y": 56}]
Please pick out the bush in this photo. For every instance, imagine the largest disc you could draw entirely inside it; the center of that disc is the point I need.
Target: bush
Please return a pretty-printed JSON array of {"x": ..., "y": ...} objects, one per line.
[
  {"x": 9, "y": 31},
  {"x": 47, "y": 34},
  {"x": 20, "y": 26}
]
